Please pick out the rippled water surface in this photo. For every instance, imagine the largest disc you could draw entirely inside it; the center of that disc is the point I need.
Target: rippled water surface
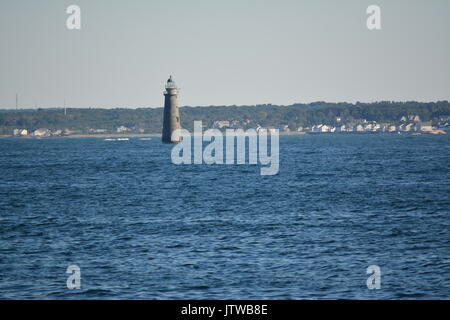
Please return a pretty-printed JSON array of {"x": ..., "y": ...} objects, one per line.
[{"x": 141, "y": 227}]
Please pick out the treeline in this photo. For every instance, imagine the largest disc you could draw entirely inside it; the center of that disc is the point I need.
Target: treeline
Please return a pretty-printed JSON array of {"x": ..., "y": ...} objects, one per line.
[{"x": 149, "y": 120}]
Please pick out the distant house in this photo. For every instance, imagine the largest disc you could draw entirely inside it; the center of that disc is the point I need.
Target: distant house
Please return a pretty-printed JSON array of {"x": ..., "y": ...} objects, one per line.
[
  {"x": 67, "y": 132},
  {"x": 122, "y": 129},
  {"x": 221, "y": 124},
  {"x": 320, "y": 128},
  {"x": 91, "y": 130},
  {"x": 56, "y": 133},
  {"x": 235, "y": 124},
  {"x": 20, "y": 132},
  {"x": 359, "y": 128},
  {"x": 413, "y": 117},
  {"x": 41, "y": 132},
  {"x": 267, "y": 129}
]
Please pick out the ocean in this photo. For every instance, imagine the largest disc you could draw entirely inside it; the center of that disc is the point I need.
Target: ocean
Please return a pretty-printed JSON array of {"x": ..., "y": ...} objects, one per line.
[{"x": 140, "y": 227}]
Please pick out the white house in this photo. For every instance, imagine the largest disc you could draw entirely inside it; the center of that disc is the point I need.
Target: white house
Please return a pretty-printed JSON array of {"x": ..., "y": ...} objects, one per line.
[
  {"x": 221, "y": 124},
  {"x": 41, "y": 132},
  {"x": 122, "y": 129},
  {"x": 320, "y": 128}
]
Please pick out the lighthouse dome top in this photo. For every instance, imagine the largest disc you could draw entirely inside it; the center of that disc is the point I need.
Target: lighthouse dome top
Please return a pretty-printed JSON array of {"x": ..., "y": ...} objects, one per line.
[{"x": 171, "y": 84}]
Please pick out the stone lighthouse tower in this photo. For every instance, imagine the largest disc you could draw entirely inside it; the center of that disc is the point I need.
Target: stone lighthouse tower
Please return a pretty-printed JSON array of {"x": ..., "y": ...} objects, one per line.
[{"x": 171, "y": 113}]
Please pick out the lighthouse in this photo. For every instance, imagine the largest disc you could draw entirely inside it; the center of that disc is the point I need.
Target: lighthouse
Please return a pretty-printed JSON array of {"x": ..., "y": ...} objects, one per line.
[{"x": 171, "y": 113}]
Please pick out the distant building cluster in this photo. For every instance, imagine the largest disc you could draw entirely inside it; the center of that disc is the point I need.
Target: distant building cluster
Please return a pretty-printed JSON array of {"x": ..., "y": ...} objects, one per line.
[
  {"x": 406, "y": 124},
  {"x": 43, "y": 132},
  {"x": 230, "y": 124},
  {"x": 372, "y": 126},
  {"x": 410, "y": 123}
]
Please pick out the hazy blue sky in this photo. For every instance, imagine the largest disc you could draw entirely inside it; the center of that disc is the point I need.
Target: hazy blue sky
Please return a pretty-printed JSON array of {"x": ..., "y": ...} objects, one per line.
[{"x": 222, "y": 52}]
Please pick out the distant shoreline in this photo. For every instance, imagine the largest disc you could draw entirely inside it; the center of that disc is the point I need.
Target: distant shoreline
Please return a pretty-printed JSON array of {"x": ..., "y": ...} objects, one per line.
[
  {"x": 112, "y": 135},
  {"x": 102, "y": 135},
  {"x": 156, "y": 135},
  {"x": 118, "y": 135}
]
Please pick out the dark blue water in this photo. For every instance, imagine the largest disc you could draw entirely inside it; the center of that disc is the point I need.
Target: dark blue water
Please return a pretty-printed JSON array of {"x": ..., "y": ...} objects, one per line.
[{"x": 141, "y": 227}]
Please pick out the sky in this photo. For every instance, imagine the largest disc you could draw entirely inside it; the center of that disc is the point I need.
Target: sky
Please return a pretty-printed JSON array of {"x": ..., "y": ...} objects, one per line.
[{"x": 233, "y": 52}]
